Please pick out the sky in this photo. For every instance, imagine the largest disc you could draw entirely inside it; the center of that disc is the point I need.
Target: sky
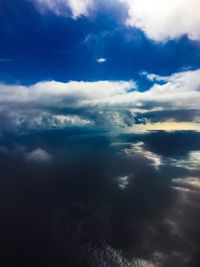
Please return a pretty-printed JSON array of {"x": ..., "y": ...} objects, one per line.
[{"x": 100, "y": 133}]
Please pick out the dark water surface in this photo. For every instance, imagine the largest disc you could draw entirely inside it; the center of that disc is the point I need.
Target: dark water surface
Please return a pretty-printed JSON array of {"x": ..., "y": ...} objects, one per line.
[{"x": 85, "y": 199}]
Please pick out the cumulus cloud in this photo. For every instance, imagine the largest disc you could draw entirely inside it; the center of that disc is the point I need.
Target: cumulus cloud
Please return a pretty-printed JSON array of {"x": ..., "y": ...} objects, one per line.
[
  {"x": 59, "y": 105},
  {"x": 76, "y": 8},
  {"x": 180, "y": 90},
  {"x": 162, "y": 20},
  {"x": 56, "y": 104},
  {"x": 54, "y": 93}
]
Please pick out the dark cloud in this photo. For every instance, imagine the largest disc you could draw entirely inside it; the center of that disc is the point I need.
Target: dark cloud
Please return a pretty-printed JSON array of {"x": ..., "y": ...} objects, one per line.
[{"x": 167, "y": 115}]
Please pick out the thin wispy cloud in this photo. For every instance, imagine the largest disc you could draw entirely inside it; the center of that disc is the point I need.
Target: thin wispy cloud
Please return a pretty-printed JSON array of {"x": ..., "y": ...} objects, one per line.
[{"x": 6, "y": 59}]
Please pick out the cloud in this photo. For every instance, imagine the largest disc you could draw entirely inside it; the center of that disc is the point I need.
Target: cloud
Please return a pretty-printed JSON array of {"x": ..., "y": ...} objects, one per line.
[
  {"x": 101, "y": 60},
  {"x": 178, "y": 91},
  {"x": 76, "y": 8},
  {"x": 56, "y": 104},
  {"x": 59, "y": 105},
  {"x": 52, "y": 93},
  {"x": 6, "y": 59},
  {"x": 38, "y": 155},
  {"x": 162, "y": 20},
  {"x": 80, "y": 7}
]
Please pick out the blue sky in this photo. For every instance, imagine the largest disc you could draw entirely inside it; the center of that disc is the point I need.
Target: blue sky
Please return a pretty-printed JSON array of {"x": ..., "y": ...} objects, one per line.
[
  {"x": 132, "y": 62},
  {"x": 38, "y": 44}
]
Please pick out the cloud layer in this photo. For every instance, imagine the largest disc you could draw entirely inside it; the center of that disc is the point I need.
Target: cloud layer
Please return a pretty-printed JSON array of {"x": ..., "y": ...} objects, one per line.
[{"x": 58, "y": 105}]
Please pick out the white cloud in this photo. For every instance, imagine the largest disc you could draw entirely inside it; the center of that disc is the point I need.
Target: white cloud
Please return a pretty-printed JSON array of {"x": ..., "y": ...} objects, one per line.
[
  {"x": 61, "y": 121},
  {"x": 61, "y": 7},
  {"x": 181, "y": 90},
  {"x": 101, "y": 60},
  {"x": 162, "y": 20},
  {"x": 65, "y": 94},
  {"x": 154, "y": 77},
  {"x": 39, "y": 156},
  {"x": 80, "y": 7}
]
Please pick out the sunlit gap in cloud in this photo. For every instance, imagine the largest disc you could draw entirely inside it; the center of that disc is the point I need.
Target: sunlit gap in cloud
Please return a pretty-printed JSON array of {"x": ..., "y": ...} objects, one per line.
[{"x": 167, "y": 126}]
